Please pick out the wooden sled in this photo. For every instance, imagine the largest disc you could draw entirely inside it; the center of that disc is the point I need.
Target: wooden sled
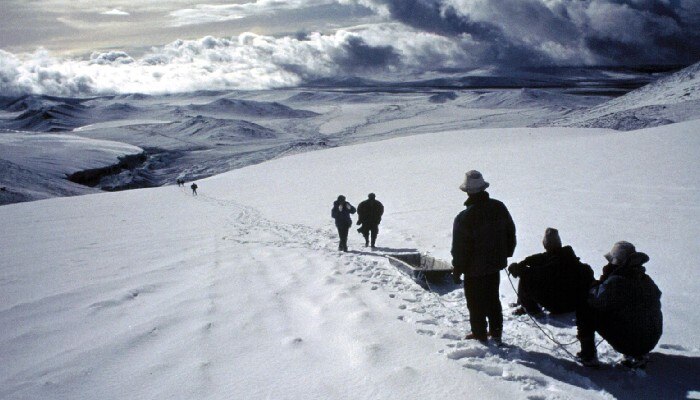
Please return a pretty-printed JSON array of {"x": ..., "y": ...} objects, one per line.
[{"x": 421, "y": 267}]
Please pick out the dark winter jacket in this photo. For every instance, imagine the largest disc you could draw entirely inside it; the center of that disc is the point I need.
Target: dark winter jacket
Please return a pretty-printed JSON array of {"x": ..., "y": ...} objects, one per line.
[
  {"x": 369, "y": 212},
  {"x": 627, "y": 305},
  {"x": 483, "y": 237},
  {"x": 342, "y": 217},
  {"x": 556, "y": 279}
]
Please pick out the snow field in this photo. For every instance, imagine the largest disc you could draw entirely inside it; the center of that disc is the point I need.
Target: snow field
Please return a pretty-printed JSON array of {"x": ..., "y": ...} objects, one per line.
[{"x": 240, "y": 292}]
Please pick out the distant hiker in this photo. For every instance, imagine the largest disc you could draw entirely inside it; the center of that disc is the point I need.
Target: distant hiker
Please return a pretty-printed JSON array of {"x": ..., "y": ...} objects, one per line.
[
  {"x": 194, "y": 188},
  {"x": 181, "y": 182},
  {"x": 341, "y": 213},
  {"x": 482, "y": 240},
  {"x": 624, "y": 307},
  {"x": 369, "y": 215},
  {"x": 555, "y": 279}
]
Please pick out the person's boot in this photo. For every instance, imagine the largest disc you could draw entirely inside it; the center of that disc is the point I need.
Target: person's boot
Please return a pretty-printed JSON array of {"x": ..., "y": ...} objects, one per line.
[
  {"x": 474, "y": 336},
  {"x": 524, "y": 311},
  {"x": 588, "y": 356},
  {"x": 497, "y": 337},
  {"x": 635, "y": 362}
]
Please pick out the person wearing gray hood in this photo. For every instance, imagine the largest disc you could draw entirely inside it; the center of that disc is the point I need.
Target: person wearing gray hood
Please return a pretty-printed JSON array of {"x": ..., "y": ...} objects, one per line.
[
  {"x": 555, "y": 280},
  {"x": 624, "y": 307},
  {"x": 341, "y": 214}
]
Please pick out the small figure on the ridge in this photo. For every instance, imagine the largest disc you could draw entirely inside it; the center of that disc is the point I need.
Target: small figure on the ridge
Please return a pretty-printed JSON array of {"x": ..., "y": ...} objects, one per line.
[
  {"x": 483, "y": 237},
  {"x": 194, "y": 188},
  {"x": 180, "y": 182},
  {"x": 555, "y": 279},
  {"x": 369, "y": 216},
  {"x": 624, "y": 307},
  {"x": 341, "y": 213}
]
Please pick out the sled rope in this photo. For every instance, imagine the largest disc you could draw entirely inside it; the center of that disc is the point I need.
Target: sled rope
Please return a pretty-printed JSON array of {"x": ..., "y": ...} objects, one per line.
[{"x": 548, "y": 334}]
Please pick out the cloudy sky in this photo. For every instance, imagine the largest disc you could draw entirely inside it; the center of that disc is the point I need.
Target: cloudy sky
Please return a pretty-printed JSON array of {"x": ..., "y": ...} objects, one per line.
[{"x": 95, "y": 46}]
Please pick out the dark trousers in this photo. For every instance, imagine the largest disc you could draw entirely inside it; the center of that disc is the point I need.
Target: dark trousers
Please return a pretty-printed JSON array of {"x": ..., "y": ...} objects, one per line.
[
  {"x": 526, "y": 297},
  {"x": 343, "y": 233},
  {"x": 370, "y": 231},
  {"x": 484, "y": 303},
  {"x": 586, "y": 321},
  {"x": 586, "y": 325}
]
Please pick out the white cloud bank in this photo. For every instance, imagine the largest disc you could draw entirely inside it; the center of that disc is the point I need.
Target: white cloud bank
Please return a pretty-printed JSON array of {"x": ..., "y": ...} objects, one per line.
[{"x": 248, "y": 61}]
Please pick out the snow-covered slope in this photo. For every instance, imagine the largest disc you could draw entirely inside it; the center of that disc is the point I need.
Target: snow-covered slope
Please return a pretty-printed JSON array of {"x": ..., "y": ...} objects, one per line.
[
  {"x": 240, "y": 293},
  {"x": 673, "y": 98},
  {"x": 37, "y": 166},
  {"x": 250, "y": 108}
]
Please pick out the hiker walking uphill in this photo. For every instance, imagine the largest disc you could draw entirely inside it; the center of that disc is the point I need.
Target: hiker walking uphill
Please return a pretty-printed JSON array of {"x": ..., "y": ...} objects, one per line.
[
  {"x": 369, "y": 215},
  {"x": 555, "y": 279},
  {"x": 624, "y": 307},
  {"x": 483, "y": 238},
  {"x": 341, "y": 213},
  {"x": 194, "y": 188}
]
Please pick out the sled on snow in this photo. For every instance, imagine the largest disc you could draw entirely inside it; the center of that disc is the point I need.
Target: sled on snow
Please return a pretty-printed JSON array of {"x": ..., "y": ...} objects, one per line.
[{"x": 421, "y": 267}]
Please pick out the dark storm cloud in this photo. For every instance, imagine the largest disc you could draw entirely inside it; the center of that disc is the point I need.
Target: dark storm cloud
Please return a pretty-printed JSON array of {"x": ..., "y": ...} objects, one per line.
[
  {"x": 355, "y": 54},
  {"x": 561, "y": 31}
]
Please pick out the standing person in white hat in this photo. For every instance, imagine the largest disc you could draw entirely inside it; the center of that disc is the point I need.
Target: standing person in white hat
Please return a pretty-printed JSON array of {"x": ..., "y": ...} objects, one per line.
[{"x": 483, "y": 238}]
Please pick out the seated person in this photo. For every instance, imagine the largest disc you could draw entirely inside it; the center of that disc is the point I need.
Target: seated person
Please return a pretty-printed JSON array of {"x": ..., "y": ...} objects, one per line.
[
  {"x": 555, "y": 279},
  {"x": 624, "y": 307}
]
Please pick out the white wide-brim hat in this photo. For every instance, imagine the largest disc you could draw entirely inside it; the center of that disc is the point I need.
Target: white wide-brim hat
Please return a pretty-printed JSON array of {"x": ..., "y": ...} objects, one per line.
[
  {"x": 620, "y": 253},
  {"x": 473, "y": 182}
]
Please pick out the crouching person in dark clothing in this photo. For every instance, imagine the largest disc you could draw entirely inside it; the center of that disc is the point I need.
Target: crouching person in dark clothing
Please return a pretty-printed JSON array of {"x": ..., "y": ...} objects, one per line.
[
  {"x": 369, "y": 215},
  {"x": 624, "y": 307},
  {"x": 555, "y": 279},
  {"x": 483, "y": 238},
  {"x": 341, "y": 213}
]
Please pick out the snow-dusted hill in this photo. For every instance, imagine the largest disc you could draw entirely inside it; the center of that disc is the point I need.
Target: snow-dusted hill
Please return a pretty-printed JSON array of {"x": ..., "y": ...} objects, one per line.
[
  {"x": 38, "y": 166},
  {"x": 248, "y": 108},
  {"x": 240, "y": 293},
  {"x": 200, "y": 134},
  {"x": 672, "y": 98}
]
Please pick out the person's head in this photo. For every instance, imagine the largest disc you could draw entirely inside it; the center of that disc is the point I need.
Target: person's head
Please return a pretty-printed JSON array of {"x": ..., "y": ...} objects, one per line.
[
  {"x": 620, "y": 253},
  {"x": 341, "y": 199},
  {"x": 473, "y": 183},
  {"x": 371, "y": 196},
  {"x": 551, "y": 240}
]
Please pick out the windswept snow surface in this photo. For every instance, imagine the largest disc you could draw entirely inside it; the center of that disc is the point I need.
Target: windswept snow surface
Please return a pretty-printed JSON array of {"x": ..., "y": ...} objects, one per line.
[{"x": 240, "y": 293}]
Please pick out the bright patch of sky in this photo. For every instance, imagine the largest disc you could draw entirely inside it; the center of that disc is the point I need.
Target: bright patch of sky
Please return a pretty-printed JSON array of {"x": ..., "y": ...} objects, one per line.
[{"x": 115, "y": 11}]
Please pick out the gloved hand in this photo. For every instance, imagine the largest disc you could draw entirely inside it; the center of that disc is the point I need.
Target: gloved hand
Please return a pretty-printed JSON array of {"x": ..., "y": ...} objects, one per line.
[
  {"x": 456, "y": 277},
  {"x": 515, "y": 269}
]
